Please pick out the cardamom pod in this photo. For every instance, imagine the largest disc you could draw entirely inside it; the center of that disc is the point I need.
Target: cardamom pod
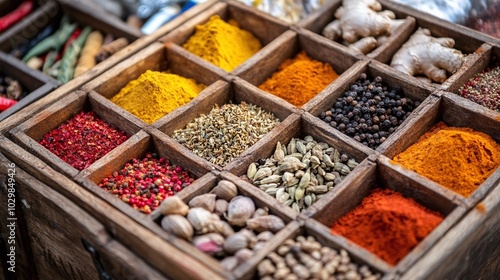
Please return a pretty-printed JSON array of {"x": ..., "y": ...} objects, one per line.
[
  {"x": 304, "y": 181},
  {"x": 271, "y": 179},
  {"x": 278, "y": 152},
  {"x": 252, "y": 169},
  {"x": 291, "y": 148},
  {"x": 268, "y": 186},
  {"x": 262, "y": 173},
  {"x": 301, "y": 148},
  {"x": 299, "y": 193},
  {"x": 352, "y": 163},
  {"x": 272, "y": 191},
  {"x": 308, "y": 200}
]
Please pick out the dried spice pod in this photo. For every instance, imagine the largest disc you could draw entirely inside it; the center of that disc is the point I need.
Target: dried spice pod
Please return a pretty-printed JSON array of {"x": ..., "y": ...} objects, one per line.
[
  {"x": 270, "y": 223},
  {"x": 199, "y": 219},
  {"x": 225, "y": 190},
  {"x": 178, "y": 226},
  {"x": 206, "y": 201},
  {"x": 173, "y": 205},
  {"x": 239, "y": 210}
]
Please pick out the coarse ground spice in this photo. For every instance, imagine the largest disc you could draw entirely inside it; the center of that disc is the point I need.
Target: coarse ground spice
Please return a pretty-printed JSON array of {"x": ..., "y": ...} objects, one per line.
[
  {"x": 460, "y": 159},
  {"x": 299, "y": 79},
  {"x": 83, "y": 140},
  {"x": 155, "y": 94},
  {"x": 484, "y": 89},
  {"x": 387, "y": 224},
  {"x": 223, "y": 134},
  {"x": 222, "y": 43},
  {"x": 145, "y": 183}
]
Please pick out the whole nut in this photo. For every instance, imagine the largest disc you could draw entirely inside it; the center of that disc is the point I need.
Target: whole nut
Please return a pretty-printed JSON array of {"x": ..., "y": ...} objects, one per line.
[
  {"x": 178, "y": 226},
  {"x": 225, "y": 189},
  {"x": 239, "y": 210}
]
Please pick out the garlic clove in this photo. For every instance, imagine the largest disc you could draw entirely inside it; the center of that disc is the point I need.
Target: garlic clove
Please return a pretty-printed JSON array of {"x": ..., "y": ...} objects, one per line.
[
  {"x": 220, "y": 227},
  {"x": 225, "y": 189},
  {"x": 270, "y": 223},
  {"x": 220, "y": 206},
  {"x": 178, "y": 226},
  {"x": 239, "y": 210},
  {"x": 229, "y": 263},
  {"x": 206, "y": 201},
  {"x": 210, "y": 243},
  {"x": 234, "y": 243},
  {"x": 173, "y": 205},
  {"x": 199, "y": 219}
]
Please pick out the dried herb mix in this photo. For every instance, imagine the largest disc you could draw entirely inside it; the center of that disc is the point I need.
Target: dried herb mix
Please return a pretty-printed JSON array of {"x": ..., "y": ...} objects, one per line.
[
  {"x": 83, "y": 140},
  {"x": 223, "y": 134}
]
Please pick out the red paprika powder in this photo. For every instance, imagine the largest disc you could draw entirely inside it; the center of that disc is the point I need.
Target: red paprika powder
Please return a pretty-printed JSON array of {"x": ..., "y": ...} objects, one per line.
[{"x": 387, "y": 224}]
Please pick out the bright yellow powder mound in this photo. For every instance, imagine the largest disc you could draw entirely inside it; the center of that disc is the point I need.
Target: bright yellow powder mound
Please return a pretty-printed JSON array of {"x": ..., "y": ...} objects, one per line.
[
  {"x": 155, "y": 94},
  {"x": 460, "y": 159},
  {"x": 223, "y": 44}
]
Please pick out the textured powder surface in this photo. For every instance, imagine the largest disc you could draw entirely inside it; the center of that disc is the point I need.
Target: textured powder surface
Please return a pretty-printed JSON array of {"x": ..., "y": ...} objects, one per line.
[
  {"x": 155, "y": 94},
  {"x": 299, "y": 79},
  {"x": 458, "y": 158},
  {"x": 223, "y": 44},
  {"x": 387, "y": 224}
]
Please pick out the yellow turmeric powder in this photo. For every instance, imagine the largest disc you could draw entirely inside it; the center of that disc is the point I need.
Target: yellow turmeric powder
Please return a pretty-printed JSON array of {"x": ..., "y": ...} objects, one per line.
[
  {"x": 460, "y": 159},
  {"x": 223, "y": 44},
  {"x": 299, "y": 79},
  {"x": 155, "y": 94}
]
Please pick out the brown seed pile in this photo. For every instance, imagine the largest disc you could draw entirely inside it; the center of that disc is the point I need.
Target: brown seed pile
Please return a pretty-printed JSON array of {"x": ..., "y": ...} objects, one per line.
[{"x": 306, "y": 258}]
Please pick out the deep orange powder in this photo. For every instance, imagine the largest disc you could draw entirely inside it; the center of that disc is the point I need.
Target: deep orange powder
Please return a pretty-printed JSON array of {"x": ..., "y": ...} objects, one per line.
[
  {"x": 299, "y": 79},
  {"x": 387, "y": 224}
]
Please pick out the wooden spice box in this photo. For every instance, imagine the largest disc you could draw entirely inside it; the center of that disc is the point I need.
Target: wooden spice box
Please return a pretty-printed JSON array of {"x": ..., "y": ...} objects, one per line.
[
  {"x": 466, "y": 223},
  {"x": 56, "y": 251}
]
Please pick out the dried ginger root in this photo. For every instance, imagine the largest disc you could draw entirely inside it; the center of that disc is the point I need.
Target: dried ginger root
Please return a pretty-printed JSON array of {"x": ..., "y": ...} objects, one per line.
[
  {"x": 361, "y": 19},
  {"x": 90, "y": 49},
  {"x": 424, "y": 54}
]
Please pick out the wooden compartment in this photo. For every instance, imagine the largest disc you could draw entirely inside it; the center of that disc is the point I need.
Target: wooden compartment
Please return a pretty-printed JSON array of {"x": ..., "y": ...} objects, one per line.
[
  {"x": 260, "y": 200},
  {"x": 225, "y": 93},
  {"x": 298, "y": 126},
  {"x": 316, "y": 230},
  {"x": 453, "y": 111},
  {"x": 156, "y": 57},
  {"x": 317, "y": 21},
  {"x": 487, "y": 56},
  {"x": 475, "y": 235},
  {"x": 416, "y": 91},
  {"x": 380, "y": 174},
  {"x": 35, "y": 84},
  {"x": 33, "y": 130},
  {"x": 56, "y": 251},
  {"x": 263, "y": 27},
  {"x": 288, "y": 46},
  {"x": 136, "y": 236}
]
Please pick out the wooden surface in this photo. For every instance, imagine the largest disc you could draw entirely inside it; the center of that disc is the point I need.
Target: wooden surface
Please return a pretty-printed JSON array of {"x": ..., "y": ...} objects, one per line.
[
  {"x": 56, "y": 248},
  {"x": 123, "y": 234},
  {"x": 468, "y": 251}
]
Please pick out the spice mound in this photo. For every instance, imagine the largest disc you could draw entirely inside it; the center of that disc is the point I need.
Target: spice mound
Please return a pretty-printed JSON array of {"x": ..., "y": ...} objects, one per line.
[
  {"x": 83, "y": 140},
  {"x": 387, "y": 224},
  {"x": 155, "y": 94},
  {"x": 460, "y": 159},
  {"x": 369, "y": 111},
  {"x": 145, "y": 183},
  {"x": 223, "y": 223},
  {"x": 306, "y": 258},
  {"x": 484, "y": 89},
  {"x": 222, "y": 43},
  {"x": 227, "y": 131},
  {"x": 301, "y": 172},
  {"x": 299, "y": 79}
]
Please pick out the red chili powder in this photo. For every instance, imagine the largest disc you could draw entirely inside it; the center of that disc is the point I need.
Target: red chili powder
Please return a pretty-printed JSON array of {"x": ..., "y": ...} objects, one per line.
[
  {"x": 387, "y": 224},
  {"x": 83, "y": 140}
]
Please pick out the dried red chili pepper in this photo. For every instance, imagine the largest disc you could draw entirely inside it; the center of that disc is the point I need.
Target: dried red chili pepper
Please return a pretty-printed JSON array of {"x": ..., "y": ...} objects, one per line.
[
  {"x": 71, "y": 38},
  {"x": 83, "y": 140},
  {"x": 6, "y": 103},
  {"x": 145, "y": 183},
  {"x": 11, "y": 18}
]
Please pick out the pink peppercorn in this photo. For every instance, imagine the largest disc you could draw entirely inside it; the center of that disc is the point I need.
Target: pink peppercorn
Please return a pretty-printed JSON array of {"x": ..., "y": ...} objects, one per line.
[
  {"x": 145, "y": 183},
  {"x": 83, "y": 140}
]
